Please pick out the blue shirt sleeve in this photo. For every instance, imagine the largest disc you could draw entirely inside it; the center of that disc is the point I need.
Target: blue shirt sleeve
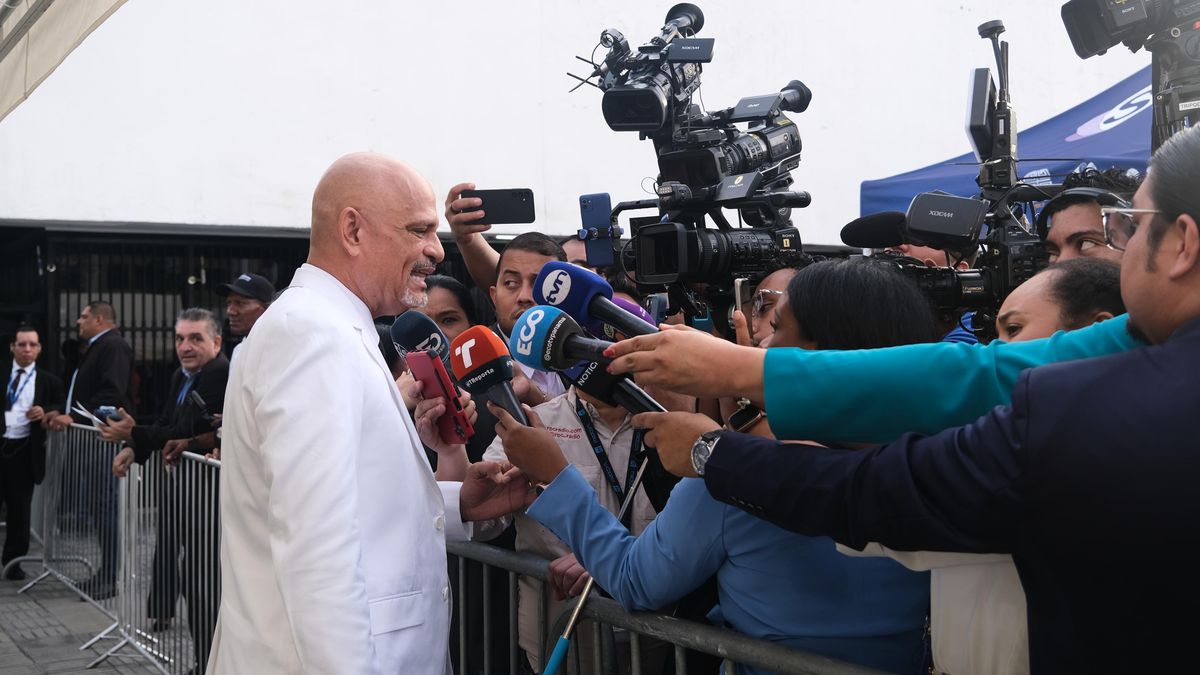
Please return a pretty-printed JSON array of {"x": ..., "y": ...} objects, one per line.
[
  {"x": 875, "y": 395},
  {"x": 677, "y": 552}
]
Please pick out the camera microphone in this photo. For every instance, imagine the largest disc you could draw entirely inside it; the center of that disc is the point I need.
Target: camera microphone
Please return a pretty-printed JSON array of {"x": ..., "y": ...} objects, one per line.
[
  {"x": 547, "y": 338},
  {"x": 482, "y": 365},
  {"x": 412, "y": 331},
  {"x": 876, "y": 230},
  {"x": 586, "y": 296}
]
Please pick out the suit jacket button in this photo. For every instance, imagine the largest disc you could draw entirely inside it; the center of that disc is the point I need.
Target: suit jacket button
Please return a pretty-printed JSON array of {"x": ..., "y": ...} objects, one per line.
[
  {"x": 439, "y": 522},
  {"x": 445, "y": 593}
]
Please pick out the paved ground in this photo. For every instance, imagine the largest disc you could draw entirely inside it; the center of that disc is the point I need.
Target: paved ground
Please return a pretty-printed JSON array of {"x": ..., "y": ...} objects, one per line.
[{"x": 41, "y": 631}]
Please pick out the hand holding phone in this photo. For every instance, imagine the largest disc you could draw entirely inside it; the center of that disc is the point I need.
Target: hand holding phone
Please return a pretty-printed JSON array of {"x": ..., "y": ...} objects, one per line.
[{"x": 427, "y": 368}]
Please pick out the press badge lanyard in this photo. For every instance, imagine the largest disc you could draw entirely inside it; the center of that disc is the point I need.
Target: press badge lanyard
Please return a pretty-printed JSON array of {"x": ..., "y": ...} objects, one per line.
[
  {"x": 635, "y": 458},
  {"x": 14, "y": 395}
]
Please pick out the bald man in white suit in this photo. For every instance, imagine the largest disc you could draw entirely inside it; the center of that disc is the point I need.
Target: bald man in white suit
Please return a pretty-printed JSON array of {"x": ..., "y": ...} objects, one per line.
[{"x": 333, "y": 554}]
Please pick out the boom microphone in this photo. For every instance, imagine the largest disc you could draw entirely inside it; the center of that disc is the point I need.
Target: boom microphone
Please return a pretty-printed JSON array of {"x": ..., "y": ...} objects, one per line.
[
  {"x": 546, "y": 338},
  {"x": 482, "y": 365},
  {"x": 586, "y": 296},
  {"x": 876, "y": 230},
  {"x": 412, "y": 331}
]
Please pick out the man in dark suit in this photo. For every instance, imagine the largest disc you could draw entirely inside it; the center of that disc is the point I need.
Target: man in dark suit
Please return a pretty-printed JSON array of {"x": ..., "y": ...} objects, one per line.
[
  {"x": 186, "y": 508},
  {"x": 1087, "y": 479},
  {"x": 104, "y": 378},
  {"x": 32, "y": 395}
]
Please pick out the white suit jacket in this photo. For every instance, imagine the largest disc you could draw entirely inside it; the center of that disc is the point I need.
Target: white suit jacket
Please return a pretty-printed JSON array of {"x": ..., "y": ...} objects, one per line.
[{"x": 333, "y": 529}]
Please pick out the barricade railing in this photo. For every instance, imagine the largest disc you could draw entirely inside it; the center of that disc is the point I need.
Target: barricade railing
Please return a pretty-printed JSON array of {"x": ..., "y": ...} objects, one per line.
[
  {"x": 606, "y": 614},
  {"x": 143, "y": 549}
]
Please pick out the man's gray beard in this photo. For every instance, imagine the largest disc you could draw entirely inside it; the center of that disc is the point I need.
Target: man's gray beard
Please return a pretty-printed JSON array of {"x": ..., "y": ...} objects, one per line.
[{"x": 415, "y": 299}]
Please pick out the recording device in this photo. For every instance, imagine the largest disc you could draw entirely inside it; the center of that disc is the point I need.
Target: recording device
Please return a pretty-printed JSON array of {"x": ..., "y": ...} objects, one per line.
[
  {"x": 586, "y": 296},
  {"x": 604, "y": 331},
  {"x": 598, "y": 230},
  {"x": 546, "y": 338},
  {"x": 991, "y": 228},
  {"x": 412, "y": 331},
  {"x": 511, "y": 205},
  {"x": 426, "y": 367},
  {"x": 107, "y": 412},
  {"x": 706, "y": 164},
  {"x": 483, "y": 367},
  {"x": 197, "y": 400},
  {"x": 1167, "y": 29}
]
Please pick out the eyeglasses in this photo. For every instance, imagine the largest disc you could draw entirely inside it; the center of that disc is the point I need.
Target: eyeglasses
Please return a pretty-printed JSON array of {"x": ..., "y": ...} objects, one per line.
[
  {"x": 761, "y": 297},
  {"x": 1120, "y": 224}
]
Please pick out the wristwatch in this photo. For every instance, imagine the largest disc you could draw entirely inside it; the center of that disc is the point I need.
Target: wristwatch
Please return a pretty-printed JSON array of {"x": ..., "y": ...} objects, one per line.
[{"x": 703, "y": 448}]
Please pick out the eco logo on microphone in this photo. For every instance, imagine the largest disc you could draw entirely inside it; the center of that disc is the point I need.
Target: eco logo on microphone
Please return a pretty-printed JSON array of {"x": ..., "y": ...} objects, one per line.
[
  {"x": 556, "y": 287},
  {"x": 531, "y": 318}
]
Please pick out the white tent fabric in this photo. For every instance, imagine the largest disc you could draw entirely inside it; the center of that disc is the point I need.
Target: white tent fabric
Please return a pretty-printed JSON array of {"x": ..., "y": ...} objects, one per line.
[{"x": 36, "y": 36}]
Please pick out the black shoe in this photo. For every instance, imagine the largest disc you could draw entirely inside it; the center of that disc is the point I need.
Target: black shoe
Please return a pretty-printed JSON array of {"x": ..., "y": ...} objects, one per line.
[
  {"x": 15, "y": 573},
  {"x": 159, "y": 625}
]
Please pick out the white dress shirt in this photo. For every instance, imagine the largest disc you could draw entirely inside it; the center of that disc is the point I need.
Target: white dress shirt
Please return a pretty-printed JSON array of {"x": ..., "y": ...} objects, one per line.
[{"x": 16, "y": 425}]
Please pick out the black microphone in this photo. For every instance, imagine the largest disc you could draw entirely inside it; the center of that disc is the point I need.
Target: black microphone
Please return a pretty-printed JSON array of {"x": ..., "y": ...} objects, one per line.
[
  {"x": 586, "y": 296},
  {"x": 592, "y": 378},
  {"x": 547, "y": 338},
  {"x": 412, "y": 331},
  {"x": 876, "y": 230}
]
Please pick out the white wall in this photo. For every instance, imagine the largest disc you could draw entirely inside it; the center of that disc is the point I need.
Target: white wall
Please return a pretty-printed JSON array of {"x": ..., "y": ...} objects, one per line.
[{"x": 226, "y": 111}]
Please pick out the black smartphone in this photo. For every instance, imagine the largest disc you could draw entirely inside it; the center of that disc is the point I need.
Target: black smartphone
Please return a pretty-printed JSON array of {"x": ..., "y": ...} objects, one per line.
[{"x": 509, "y": 205}]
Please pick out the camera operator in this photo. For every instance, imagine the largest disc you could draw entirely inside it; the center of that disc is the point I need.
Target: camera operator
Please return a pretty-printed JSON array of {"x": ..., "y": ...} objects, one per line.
[
  {"x": 1041, "y": 479},
  {"x": 955, "y": 326},
  {"x": 774, "y": 585},
  {"x": 1073, "y": 227}
]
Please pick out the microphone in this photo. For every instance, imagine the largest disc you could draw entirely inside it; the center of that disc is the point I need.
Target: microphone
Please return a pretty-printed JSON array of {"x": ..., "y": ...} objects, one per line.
[
  {"x": 412, "y": 331},
  {"x": 606, "y": 332},
  {"x": 876, "y": 230},
  {"x": 547, "y": 338},
  {"x": 593, "y": 379},
  {"x": 586, "y": 296},
  {"x": 482, "y": 365}
]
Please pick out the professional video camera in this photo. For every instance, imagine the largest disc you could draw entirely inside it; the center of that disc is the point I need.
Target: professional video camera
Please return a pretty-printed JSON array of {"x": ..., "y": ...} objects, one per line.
[
  {"x": 991, "y": 230},
  {"x": 706, "y": 164},
  {"x": 1168, "y": 29}
]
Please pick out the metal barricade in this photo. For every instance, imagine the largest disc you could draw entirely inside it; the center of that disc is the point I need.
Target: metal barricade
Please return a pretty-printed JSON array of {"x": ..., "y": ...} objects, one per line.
[
  {"x": 734, "y": 648},
  {"x": 142, "y": 549}
]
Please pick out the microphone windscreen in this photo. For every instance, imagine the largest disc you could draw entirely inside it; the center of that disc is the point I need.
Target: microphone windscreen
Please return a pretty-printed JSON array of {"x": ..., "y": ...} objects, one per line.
[
  {"x": 480, "y": 360},
  {"x": 592, "y": 378},
  {"x": 569, "y": 288},
  {"x": 877, "y": 230},
  {"x": 412, "y": 331},
  {"x": 530, "y": 334}
]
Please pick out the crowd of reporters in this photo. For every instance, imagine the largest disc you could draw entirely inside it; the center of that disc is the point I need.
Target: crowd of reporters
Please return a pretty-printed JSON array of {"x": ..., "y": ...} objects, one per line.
[{"x": 1050, "y": 534}]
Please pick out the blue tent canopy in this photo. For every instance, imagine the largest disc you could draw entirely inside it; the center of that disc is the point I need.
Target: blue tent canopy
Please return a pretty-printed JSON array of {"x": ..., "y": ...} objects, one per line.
[{"x": 1109, "y": 129}]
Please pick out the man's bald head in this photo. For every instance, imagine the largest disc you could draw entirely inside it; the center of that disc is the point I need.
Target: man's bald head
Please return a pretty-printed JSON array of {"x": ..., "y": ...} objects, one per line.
[{"x": 374, "y": 219}]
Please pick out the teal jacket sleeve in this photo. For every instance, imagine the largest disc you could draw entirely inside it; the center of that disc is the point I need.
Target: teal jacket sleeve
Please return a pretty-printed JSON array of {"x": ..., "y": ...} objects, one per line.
[{"x": 875, "y": 395}]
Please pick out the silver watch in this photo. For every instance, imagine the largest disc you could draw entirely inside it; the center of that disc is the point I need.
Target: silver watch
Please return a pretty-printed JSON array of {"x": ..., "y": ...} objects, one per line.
[{"x": 702, "y": 449}]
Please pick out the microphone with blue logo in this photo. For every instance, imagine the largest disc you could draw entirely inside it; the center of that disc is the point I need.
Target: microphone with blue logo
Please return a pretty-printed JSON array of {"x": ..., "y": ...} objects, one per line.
[
  {"x": 547, "y": 338},
  {"x": 586, "y": 296}
]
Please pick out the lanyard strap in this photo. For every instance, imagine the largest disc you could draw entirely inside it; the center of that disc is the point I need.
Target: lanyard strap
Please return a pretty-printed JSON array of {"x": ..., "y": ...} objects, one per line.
[
  {"x": 14, "y": 395},
  {"x": 635, "y": 457}
]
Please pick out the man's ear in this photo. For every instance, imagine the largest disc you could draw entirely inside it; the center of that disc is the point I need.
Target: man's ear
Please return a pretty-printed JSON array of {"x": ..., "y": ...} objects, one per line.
[
  {"x": 492, "y": 294},
  {"x": 1186, "y": 259},
  {"x": 1101, "y": 316},
  {"x": 350, "y": 226}
]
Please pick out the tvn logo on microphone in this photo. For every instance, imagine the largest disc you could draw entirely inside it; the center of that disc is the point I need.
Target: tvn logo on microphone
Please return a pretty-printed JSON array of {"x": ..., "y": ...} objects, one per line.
[{"x": 556, "y": 287}]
